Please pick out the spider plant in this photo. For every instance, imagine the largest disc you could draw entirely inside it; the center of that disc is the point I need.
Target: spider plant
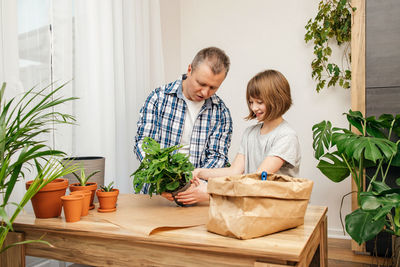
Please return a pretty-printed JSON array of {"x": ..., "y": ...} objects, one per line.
[{"x": 23, "y": 121}]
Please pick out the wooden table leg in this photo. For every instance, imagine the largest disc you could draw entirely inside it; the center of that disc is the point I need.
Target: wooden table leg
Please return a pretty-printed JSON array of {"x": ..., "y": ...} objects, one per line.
[
  {"x": 14, "y": 256},
  {"x": 323, "y": 246}
]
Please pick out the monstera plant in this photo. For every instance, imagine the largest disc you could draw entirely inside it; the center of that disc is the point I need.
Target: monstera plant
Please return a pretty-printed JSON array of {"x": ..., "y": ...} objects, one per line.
[{"x": 342, "y": 153}]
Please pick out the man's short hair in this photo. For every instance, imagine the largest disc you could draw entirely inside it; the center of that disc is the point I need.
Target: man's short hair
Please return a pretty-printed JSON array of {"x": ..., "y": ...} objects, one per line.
[
  {"x": 215, "y": 57},
  {"x": 273, "y": 89}
]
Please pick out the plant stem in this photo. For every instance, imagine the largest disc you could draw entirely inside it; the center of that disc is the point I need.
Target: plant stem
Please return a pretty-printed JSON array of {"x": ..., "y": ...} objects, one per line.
[
  {"x": 387, "y": 169},
  {"x": 355, "y": 177},
  {"x": 392, "y": 224},
  {"x": 375, "y": 175},
  {"x": 364, "y": 127},
  {"x": 361, "y": 174},
  {"x": 391, "y": 128}
]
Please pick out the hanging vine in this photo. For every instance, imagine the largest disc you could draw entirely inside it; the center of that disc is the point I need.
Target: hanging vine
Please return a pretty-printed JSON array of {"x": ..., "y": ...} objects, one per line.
[{"x": 333, "y": 22}]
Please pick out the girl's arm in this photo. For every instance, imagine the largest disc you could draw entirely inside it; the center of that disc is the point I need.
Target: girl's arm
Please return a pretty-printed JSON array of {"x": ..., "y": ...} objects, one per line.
[
  {"x": 199, "y": 192},
  {"x": 237, "y": 167},
  {"x": 271, "y": 164}
]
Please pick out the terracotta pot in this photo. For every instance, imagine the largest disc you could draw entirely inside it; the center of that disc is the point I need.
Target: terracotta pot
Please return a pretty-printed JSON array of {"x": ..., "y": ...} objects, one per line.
[
  {"x": 72, "y": 207},
  {"x": 89, "y": 186},
  {"x": 107, "y": 200},
  {"x": 86, "y": 200},
  {"x": 47, "y": 203}
]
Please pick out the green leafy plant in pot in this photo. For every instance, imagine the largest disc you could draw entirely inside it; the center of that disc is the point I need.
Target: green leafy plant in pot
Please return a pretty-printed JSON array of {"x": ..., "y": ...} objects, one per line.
[
  {"x": 342, "y": 153},
  {"x": 164, "y": 169},
  {"x": 23, "y": 150},
  {"x": 107, "y": 196},
  {"x": 84, "y": 184}
]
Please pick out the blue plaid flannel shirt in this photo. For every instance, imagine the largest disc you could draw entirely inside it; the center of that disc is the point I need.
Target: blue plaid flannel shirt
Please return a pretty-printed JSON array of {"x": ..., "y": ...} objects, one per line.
[{"x": 162, "y": 118}]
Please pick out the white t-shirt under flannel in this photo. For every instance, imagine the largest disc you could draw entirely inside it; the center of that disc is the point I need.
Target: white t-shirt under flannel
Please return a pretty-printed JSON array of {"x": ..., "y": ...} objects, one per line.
[{"x": 193, "y": 109}]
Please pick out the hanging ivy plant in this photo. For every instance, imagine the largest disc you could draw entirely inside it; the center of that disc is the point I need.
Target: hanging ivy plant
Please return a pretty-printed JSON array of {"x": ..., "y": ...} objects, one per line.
[{"x": 333, "y": 22}]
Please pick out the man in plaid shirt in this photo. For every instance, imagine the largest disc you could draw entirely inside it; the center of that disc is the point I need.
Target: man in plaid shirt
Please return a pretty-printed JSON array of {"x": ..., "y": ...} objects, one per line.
[{"x": 187, "y": 112}]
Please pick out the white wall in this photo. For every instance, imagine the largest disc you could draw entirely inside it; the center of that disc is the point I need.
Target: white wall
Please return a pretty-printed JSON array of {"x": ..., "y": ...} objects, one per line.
[{"x": 258, "y": 35}]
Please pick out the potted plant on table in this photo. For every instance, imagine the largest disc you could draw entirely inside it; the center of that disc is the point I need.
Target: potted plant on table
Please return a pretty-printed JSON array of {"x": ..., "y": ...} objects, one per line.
[
  {"x": 83, "y": 184},
  {"x": 163, "y": 169},
  {"x": 107, "y": 196},
  {"x": 23, "y": 121},
  {"x": 342, "y": 152}
]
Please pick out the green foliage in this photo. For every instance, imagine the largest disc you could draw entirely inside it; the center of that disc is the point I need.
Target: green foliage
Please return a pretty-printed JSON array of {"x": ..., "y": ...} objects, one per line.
[
  {"x": 23, "y": 122},
  {"x": 83, "y": 179},
  {"x": 107, "y": 188},
  {"x": 333, "y": 22},
  {"x": 341, "y": 152},
  {"x": 161, "y": 168}
]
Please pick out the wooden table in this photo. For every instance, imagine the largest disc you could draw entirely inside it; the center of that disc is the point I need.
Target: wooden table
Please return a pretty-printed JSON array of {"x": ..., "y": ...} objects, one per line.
[{"x": 100, "y": 243}]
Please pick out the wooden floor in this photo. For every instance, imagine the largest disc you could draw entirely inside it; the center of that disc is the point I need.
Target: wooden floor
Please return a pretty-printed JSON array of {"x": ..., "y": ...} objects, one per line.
[{"x": 340, "y": 254}]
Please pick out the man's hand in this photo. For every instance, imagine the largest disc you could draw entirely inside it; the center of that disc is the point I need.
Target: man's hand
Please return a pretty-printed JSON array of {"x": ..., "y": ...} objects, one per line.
[
  {"x": 167, "y": 196},
  {"x": 197, "y": 192}
]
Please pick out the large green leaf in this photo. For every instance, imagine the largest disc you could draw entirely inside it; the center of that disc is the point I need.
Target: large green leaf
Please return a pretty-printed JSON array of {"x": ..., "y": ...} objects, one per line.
[
  {"x": 379, "y": 187},
  {"x": 322, "y": 134},
  {"x": 373, "y": 127},
  {"x": 369, "y": 201},
  {"x": 386, "y": 120},
  {"x": 357, "y": 147},
  {"x": 333, "y": 167},
  {"x": 361, "y": 226},
  {"x": 356, "y": 119},
  {"x": 396, "y": 125},
  {"x": 396, "y": 158}
]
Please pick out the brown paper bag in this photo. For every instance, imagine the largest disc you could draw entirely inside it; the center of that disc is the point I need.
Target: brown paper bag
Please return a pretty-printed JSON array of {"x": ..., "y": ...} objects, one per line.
[{"x": 246, "y": 207}]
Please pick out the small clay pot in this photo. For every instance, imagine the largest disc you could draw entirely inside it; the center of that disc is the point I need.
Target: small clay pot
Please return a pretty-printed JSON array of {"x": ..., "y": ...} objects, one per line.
[
  {"x": 86, "y": 200},
  {"x": 89, "y": 186},
  {"x": 107, "y": 200},
  {"x": 47, "y": 203},
  {"x": 72, "y": 207}
]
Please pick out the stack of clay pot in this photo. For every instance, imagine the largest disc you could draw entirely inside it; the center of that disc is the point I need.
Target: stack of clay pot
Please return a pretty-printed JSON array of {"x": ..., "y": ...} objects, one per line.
[{"x": 76, "y": 205}]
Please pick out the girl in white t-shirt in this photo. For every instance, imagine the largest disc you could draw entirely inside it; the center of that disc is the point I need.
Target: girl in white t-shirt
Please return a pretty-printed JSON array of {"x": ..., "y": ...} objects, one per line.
[{"x": 271, "y": 145}]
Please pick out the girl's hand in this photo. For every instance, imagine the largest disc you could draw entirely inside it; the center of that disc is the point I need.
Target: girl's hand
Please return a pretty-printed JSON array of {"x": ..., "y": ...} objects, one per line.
[{"x": 196, "y": 173}]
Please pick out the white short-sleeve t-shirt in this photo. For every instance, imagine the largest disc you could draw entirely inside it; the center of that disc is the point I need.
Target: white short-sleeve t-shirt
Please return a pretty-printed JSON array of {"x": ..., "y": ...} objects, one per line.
[
  {"x": 281, "y": 142},
  {"x": 192, "y": 111}
]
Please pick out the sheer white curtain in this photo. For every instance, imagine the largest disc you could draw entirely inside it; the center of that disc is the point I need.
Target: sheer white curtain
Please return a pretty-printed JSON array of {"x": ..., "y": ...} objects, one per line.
[
  {"x": 9, "y": 69},
  {"x": 118, "y": 60},
  {"x": 110, "y": 52}
]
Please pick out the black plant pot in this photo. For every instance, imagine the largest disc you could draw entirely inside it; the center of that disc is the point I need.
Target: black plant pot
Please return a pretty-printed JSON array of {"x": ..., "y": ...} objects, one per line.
[{"x": 184, "y": 188}]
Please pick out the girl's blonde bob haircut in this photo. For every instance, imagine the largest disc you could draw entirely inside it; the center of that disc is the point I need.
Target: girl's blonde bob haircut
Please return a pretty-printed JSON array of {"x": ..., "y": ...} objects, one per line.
[{"x": 273, "y": 89}]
